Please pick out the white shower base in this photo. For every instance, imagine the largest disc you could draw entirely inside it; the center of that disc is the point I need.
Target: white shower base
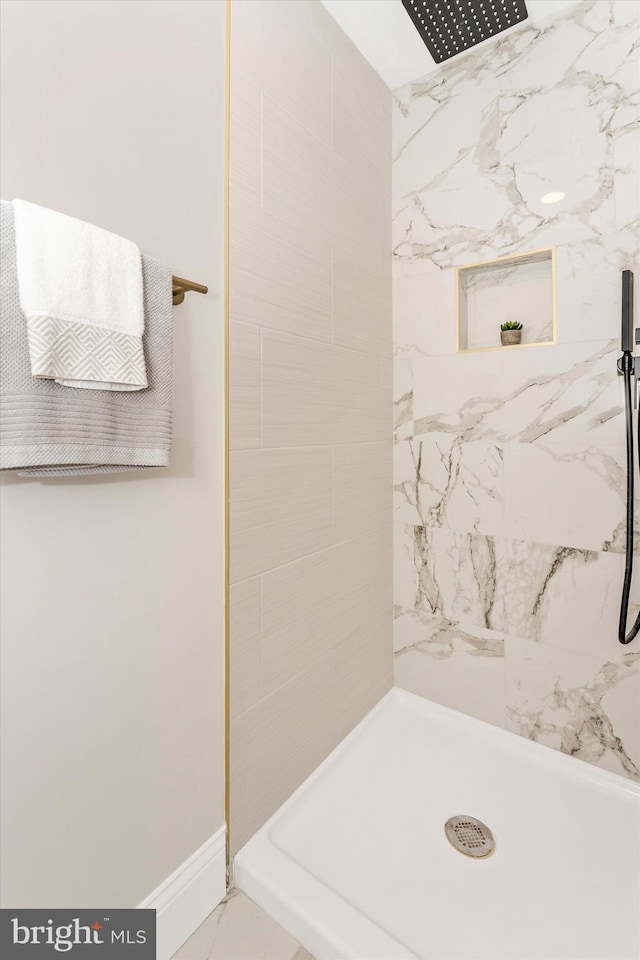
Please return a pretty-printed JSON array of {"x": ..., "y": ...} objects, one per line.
[{"x": 356, "y": 864}]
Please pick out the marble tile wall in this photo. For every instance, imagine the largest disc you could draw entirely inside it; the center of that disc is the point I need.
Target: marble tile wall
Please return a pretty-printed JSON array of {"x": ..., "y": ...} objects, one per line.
[
  {"x": 509, "y": 466},
  {"x": 311, "y": 360}
]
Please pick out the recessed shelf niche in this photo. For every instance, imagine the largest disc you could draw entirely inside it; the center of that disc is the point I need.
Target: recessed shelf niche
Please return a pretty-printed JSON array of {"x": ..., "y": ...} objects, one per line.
[{"x": 519, "y": 287}]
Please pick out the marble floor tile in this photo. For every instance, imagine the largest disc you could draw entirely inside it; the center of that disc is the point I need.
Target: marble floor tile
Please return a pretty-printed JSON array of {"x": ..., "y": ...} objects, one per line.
[
  {"x": 456, "y": 664},
  {"x": 580, "y": 705},
  {"x": 239, "y": 930}
]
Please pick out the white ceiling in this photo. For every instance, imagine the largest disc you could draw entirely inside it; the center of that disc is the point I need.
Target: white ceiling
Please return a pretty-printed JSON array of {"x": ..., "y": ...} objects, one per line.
[{"x": 386, "y": 37}]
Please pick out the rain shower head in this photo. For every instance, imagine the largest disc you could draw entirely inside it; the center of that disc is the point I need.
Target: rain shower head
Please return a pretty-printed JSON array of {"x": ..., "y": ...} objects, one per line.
[{"x": 449, "y": 27}]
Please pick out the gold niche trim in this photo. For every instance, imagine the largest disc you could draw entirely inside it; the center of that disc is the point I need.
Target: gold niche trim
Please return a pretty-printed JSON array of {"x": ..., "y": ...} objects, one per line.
[
  {"x": 227, "y": 636},
  {"x": 524, "y": 256}
]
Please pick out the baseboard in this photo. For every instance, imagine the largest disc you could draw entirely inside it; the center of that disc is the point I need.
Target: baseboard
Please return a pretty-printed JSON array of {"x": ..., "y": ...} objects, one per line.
[{"x": 188, "y": 895}]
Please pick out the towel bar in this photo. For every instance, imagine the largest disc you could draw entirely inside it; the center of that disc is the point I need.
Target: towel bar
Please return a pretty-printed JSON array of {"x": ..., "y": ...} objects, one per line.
[{"x": 182, "y": 286}]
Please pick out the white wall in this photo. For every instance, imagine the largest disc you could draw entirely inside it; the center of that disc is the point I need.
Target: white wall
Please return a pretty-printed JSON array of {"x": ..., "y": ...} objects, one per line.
[{"x": 112, "y": 588}]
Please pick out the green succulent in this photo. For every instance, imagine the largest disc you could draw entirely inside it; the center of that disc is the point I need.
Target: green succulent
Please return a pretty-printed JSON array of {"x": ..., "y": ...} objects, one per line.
[{"x": 511, "y": 325}]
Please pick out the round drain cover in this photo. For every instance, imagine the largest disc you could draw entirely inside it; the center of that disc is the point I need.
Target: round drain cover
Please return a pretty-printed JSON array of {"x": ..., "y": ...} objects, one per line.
[{"x": 470, "y": 836}]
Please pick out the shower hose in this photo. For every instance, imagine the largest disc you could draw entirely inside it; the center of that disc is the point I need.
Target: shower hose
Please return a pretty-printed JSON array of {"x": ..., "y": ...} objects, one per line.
[{"x": 626, "y": 366}]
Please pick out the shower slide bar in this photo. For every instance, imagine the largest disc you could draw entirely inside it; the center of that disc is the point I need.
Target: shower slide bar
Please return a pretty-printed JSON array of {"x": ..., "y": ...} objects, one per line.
[{"x": 629, "y": 368}]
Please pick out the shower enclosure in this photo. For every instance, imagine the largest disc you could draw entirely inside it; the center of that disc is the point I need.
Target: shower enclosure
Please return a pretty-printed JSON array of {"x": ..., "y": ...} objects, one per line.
[{"x": 453, "y": 654}]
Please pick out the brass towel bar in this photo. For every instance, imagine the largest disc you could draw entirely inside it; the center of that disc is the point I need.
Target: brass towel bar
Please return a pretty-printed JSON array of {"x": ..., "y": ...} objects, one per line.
[{"x": 182, "y": 286}]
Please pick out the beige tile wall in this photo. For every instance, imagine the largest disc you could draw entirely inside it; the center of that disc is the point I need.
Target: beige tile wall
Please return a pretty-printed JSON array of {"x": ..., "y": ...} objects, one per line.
[{"x": 310, "y": 397}]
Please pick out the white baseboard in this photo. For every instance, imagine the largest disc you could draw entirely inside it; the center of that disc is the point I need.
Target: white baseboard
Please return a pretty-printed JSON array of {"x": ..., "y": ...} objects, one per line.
[{"x": 185, "y": 898}]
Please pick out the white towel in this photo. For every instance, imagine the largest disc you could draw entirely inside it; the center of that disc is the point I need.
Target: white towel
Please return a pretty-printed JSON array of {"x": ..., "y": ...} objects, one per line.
[{"x": 80, "y": 290}]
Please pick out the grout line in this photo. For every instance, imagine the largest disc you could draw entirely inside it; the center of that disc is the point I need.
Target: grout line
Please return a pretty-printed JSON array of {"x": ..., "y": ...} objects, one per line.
[
  {"x": 260, "y": 684},
  {"x": 333, "y": 326},
  {"x": 330, "y": 546},
  {"x": 333, "y": 477},
  {"x": 332, "y": 443},
  {"x": 260, "y": 381},
  {"x": 338, "y": 346},
  {"x": 331, "y": 103},
  {"x": 261, "y": 152}
]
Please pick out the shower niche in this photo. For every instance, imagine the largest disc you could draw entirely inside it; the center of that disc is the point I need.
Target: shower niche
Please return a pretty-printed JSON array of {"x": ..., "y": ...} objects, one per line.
[{"x": 518, "y": 288}]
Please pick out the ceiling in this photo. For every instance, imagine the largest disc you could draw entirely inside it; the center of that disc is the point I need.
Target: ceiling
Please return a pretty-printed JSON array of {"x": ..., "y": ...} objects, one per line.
[{"x": 386, "y": 37}]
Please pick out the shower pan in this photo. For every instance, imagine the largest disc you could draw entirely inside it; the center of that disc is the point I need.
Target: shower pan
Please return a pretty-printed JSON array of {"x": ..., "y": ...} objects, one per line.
[{"x": 358, "y": 865}]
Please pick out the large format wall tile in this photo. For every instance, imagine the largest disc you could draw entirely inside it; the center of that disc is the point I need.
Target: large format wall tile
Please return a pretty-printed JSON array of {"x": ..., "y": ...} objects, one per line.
[
  {"x": 424, "y": 318},
  {"x": 282, "y": 274},
  {"x": 244, "y": 668},
  {"x": 402, "y": 400},
  {"x": 591, "y": 87},
  {"x": 588, "y": 285},
  {"x": 315, "y": 393},
  {"x": 562, "y": 596},
  {"x": 311, "y": 375},
  {"x": 509, "y": 472},
  {"x": 626, "y": 169},
  {"x": 313, "y": 604},
  {"x": 458, "y": 222},
  {"x": 570, "y": 393},
  {"x": 361, "y": 128},
  {"x": 362, "y": 666},
  {"x": 565, "y": 493},
  {"x": 441, "y": 480},
  {"x": 245, "y": 429},
  {"x": 582, "y": 706},
  {"x": 361, "y": 307},
  {"x": 457, "y": 664},
  {"x": 362, "y": 475},
  {"x": 284, "y": 34},
  {"x": 276, "y": 745},
  {"x": 280, "y": 507},
  {"x": 245, "y": 120},
  {"x": 457, "y": 117}
]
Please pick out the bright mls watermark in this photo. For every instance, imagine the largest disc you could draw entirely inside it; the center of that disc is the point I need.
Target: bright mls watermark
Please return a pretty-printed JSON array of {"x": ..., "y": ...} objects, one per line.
[{"x": 81, "y": 934}]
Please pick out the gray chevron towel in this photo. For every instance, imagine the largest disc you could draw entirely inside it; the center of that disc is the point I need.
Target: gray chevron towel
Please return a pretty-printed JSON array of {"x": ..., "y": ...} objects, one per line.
[{"x": 47, "y": 429}]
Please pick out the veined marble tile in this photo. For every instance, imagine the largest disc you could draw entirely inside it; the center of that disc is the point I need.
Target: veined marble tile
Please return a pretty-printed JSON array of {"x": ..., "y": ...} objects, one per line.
[
  {"x": 238, "y": 930},
  {"x": 580, "y": 705},
  {"x": 500, "y": 212},
  {"x": 448, "y": 124},
  {"x": 457, "y": 664},
  {"x": 424, "y": 315},
  {"x": 402, "y": 400},
  {"x": 588, "y": 278},
  {"x": 590, "y": 86},
  {"x": 561, "y": 596},
  {"x": 405, "y": 570},
  {"x": 626, "y": 171},
  {"x": 568, "y": 393},
  {"x": 441, "y": 480},
  {"x": 583, "y": 171},
  {"x": 565, "y": 494}
]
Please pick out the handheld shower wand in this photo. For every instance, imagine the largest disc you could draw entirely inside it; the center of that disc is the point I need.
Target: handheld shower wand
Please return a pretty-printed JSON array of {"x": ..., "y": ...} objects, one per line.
[{"x": 628, "y": 368}]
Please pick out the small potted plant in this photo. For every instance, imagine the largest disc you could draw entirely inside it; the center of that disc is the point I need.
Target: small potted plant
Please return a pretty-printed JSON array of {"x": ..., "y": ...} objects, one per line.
[{"x": 510, "y": 333}]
